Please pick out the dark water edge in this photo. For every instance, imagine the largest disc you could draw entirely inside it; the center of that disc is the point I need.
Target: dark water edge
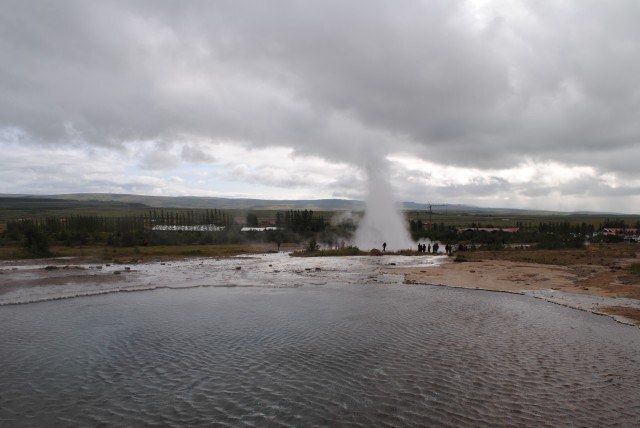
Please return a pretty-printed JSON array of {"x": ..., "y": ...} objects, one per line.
[{"x": 361, "y": 355}]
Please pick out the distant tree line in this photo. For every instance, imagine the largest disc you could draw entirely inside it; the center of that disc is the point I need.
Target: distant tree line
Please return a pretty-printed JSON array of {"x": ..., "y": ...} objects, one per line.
[
  {"x": 191, "y": 217},
  {"x": 620, "y": 224},
  {"x": 299, "y": 225},
  {"x": 36, "y": 234},
  {"x": 116, "y": 230},
  {"x": 304, "y": 223},
  {"x": 555, "y": 234}
]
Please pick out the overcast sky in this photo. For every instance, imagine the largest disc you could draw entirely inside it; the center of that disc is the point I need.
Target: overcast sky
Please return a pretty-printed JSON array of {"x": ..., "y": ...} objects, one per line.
[{"x": 532, "y": 104}]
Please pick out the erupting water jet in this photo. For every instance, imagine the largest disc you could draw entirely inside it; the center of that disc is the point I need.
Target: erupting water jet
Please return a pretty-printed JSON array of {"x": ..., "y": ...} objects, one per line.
[{"x": 382, "y": 221}]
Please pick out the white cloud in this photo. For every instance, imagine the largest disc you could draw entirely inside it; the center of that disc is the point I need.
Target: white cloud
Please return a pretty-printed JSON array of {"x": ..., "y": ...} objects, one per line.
[{"x": 478, "y": 101}]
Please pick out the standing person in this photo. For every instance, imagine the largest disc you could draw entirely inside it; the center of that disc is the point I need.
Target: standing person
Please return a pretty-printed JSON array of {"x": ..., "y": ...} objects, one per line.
[
  {"x": 429, "y": 248},
  {"x": 435, "y": 247},
  {"x": 384, "y": 246}
]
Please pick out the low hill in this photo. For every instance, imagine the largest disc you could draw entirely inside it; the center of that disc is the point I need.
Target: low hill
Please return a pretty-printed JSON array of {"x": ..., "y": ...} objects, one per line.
[
  {"x": 12, "y": 207},
  {"x": 195, "y": 202},
  {"x": 99, "y": 201}
]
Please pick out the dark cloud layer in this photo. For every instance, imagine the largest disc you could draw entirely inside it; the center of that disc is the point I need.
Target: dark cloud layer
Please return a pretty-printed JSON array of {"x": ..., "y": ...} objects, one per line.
[{"x": 473, "y": 84}]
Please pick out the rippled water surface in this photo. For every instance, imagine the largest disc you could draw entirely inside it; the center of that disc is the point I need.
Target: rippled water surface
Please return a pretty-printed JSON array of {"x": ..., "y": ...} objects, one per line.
[{"x": 325, "y": 353}]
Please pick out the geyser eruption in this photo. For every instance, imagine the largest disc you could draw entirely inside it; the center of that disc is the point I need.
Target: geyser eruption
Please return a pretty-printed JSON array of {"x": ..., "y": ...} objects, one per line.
[{"x": 382, "y": 221}]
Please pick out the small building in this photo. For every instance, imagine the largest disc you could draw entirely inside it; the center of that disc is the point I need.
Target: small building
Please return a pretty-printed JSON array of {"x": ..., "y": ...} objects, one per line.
[
  {"x": 491, "y": 229},
  {"x": 267, "y": 220},
  {"x": 619, "y": 231},
  {"x": 257, "y": 229}
]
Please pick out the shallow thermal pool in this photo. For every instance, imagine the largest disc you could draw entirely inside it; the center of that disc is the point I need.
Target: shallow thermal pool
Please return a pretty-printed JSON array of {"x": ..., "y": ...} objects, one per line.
[
  {"x": 265, "y": 270},
  {"x": 341, "y": 348}
]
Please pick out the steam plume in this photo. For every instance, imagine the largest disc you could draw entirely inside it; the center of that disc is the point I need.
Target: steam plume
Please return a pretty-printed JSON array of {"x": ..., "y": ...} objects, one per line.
[{"x": 383, "y": 221}]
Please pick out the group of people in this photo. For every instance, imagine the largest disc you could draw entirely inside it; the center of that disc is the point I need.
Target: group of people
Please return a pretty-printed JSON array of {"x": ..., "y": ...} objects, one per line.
[{"x": 427, "y": 248}]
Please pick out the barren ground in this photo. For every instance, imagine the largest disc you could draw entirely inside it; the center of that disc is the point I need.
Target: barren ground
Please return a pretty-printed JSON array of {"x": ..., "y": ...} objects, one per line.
[{"x": 608, "y": 271}]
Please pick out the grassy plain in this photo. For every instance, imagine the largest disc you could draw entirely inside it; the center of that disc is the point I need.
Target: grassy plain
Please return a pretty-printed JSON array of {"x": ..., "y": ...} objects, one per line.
[
  {"x": 511, "y": 219},
  {"x": 610, "y": 255},
  {"x": 12, "y": 208}
]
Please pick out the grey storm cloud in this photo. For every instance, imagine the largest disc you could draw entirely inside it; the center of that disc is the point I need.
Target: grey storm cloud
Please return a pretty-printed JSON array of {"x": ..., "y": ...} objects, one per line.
[
  {"x": 194, "y": 154},
  {"x": 446, "y": 80}
]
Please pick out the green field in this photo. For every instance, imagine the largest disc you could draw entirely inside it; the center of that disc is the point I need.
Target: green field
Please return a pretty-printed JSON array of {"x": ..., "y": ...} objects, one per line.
[
  {"x": 12, "y": 208},
  {"x": 34, "y": 223},
  {"x": 504, "y": 219}
]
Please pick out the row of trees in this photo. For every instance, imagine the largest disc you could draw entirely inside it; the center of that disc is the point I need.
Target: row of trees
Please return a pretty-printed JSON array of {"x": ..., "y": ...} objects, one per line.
[
  {"x": 92, "y": 223},
  {"x": 620, "y": 224},
  {"x": 559, "y": 234},
  {"x": 292, "y": 226},
  {"x": 35, "y": 234},
  {"x": 305, "y": 223},
  {"x": 191, "y": 217}
]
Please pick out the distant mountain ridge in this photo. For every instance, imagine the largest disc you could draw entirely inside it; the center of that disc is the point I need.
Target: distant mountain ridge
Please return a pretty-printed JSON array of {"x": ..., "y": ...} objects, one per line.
[
  {"x": 219, "y": 203},
  {"x": 188, "y": 202},
  {"x": 195, "y": 202}
]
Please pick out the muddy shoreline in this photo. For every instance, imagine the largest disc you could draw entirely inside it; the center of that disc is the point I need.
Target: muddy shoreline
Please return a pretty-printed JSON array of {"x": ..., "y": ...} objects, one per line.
[
  {"x": 593, "y": 288},
  {"x": 571, "y": 286}
]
